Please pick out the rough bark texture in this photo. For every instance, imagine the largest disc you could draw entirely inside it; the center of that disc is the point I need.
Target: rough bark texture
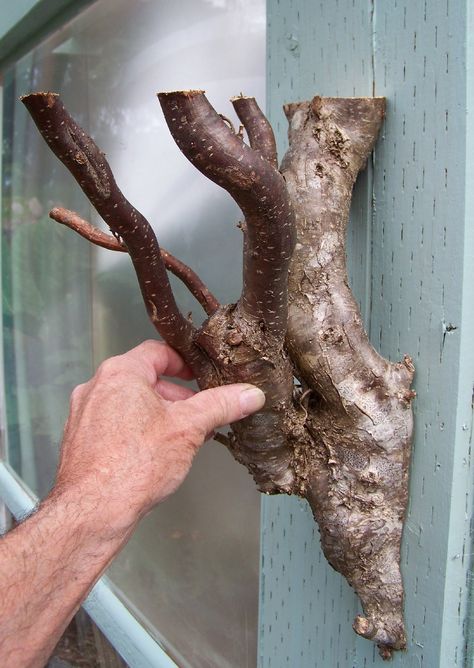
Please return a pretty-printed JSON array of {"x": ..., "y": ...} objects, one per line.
[
  {"x": 360, "y": 414},
  {"x": 88, "y": 165},
  {"x": 339, "y": 435}
]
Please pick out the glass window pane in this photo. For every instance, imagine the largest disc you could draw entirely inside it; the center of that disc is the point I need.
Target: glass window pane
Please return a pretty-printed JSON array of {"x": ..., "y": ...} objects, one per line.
[{"x": 191, "y": 570}]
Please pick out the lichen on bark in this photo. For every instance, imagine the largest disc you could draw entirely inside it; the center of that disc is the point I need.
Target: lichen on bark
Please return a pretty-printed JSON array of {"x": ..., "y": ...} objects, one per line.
[{"x": 339, "y": 435}]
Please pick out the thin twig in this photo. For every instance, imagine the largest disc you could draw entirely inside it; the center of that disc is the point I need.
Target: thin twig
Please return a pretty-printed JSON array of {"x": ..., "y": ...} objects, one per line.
[
  {"x": 222, "y": 438},
  {"x": 74, "y": 221},
  {"x": 229, "y": 123},
  {"x": 305, "y": 394},
  {"x": 191, "y": 280}
]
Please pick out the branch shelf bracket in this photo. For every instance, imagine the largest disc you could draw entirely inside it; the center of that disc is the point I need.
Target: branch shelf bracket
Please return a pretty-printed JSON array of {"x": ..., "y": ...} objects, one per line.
[{"x": 340, "y": 436}]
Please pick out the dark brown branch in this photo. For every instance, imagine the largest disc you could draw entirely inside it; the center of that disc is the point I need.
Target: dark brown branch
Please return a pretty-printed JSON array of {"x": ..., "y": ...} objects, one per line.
[
  {"x": 86, "y": 162},
  {"x": 191, "y": 280},
  {"x": 259, "y": 190},
  {"x": 259, "y": 130}
]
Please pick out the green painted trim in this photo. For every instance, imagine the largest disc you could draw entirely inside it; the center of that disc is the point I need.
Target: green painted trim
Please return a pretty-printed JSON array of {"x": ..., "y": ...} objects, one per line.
[
  {"x": 13, "y": 12},
  {"x": 3, "y": 420},
  {"x": 24, "y": 23}
]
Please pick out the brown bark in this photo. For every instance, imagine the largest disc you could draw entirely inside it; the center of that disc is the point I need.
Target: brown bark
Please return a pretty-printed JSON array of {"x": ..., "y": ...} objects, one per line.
[
  {"x": 341, "y": 437},
  {"x": 78, "y": 152},
  {"x": 259, "y": 190},
  {"x": 259, "y": 130},
  {"x": 190, "y": 279}
]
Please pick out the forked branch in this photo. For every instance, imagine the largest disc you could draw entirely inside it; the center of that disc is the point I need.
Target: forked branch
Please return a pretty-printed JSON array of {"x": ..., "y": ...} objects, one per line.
[
  {"x": 259, "y": 190},
  {"x": 78, "y": 152},
  {"x": 343, "y": 441}
]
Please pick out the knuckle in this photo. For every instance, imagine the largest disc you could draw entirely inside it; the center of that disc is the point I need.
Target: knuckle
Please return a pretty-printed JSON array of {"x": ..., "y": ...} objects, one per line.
[
  {"x": 152, "y": 344},
  {"x": 77, "y": 393},
  {"x": 108, "y": 367},
  {"x": 222, "y": 409}
]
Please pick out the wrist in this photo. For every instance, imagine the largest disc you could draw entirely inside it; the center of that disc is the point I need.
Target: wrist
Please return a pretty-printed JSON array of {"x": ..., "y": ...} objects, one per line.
[{"x": 97, "y": 516}]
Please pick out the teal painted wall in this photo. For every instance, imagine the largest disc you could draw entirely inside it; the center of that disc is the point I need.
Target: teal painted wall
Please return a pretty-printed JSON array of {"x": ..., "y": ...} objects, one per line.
[
  {"x": 13, "y": 12},
  {"x": 24, "y": 23},
  {"x": 410, "y": 258}
]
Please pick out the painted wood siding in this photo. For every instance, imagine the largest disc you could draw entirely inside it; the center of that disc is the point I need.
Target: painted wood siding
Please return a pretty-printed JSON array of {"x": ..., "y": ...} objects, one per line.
[{"x": 411, "y": 253}]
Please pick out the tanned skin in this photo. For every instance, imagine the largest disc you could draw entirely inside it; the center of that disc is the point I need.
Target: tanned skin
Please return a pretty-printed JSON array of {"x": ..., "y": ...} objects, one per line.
[{"x": 129, "y": 442}]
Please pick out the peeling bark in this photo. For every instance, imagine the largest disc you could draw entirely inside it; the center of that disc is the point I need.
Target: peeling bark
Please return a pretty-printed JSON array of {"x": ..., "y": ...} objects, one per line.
[{"x": 341, "y": 437}]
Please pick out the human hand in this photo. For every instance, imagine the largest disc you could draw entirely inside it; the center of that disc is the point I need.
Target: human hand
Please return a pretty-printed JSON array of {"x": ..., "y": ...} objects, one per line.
[{"x": 131, "y": 436}]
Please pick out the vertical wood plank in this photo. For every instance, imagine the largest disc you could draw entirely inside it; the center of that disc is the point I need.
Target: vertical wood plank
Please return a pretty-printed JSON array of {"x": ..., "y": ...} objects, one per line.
[
  {"x": 410, "y": 262},
  {"x": 418, "y": 282}
]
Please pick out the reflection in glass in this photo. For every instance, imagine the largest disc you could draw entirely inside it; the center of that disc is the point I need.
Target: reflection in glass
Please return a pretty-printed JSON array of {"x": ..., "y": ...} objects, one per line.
[{"x": 191, "y": 570}]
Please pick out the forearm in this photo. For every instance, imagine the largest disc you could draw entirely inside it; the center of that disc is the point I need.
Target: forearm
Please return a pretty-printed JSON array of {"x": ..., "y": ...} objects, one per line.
[
  {"x": 128, "y": 444},
  {"x": 48, "y": 565}
]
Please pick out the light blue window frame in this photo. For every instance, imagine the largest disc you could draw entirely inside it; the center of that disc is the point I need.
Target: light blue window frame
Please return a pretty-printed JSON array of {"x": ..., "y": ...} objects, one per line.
[{"x": 24, "y": 23}]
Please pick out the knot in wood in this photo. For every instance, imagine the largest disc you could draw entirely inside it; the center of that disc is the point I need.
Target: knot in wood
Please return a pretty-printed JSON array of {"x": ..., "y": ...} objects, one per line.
[
  {"x": 80, "y": 158},
  {"x": 332, "y": 335},
  {"x": 363, "y": 627},
  {"x": 319, "y": 170},
  {"x": 234, "y": 338}
]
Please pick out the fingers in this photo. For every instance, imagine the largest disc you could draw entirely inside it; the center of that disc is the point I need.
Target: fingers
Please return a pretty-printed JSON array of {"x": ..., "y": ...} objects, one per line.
[
  {"x": 151, "y": 359},
  {"x": 173, "y": 392},
  {"x": 162, "y": 359},
  {"x": 218, "y": 406}
]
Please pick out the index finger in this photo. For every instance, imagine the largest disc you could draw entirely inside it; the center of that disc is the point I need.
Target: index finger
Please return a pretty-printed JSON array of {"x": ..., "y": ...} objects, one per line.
[{"x": 156, "y": 358}]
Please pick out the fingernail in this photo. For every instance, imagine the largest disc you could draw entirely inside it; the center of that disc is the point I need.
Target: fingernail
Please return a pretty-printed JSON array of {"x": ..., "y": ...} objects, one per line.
[{"x": 251, "y": 400}]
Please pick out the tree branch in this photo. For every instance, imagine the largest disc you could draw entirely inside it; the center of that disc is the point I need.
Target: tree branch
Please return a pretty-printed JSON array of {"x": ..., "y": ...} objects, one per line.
[
  {"x": 78, "y": 152},
  {"x": 74, "y": 221},
  {"x": 259, "y": 190},
  {"x": 191, "y": 280},
  {"x": 259, "y": 130},
  {"x": 343, "y": 442},
  {"x": 222, "y": 438}
]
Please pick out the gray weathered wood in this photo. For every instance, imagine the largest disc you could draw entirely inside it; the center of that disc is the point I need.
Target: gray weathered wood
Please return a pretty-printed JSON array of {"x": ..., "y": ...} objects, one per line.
[{"x": 410, "y": 265}]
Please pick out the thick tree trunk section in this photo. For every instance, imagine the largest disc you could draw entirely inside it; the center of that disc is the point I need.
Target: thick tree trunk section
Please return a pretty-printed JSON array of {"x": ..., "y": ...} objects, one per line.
[{"x": 360, "y": 416}]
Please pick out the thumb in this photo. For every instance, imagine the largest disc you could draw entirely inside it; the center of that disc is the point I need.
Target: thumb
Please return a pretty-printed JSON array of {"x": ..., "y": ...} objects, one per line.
[{"x": 218, "y": 406}]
